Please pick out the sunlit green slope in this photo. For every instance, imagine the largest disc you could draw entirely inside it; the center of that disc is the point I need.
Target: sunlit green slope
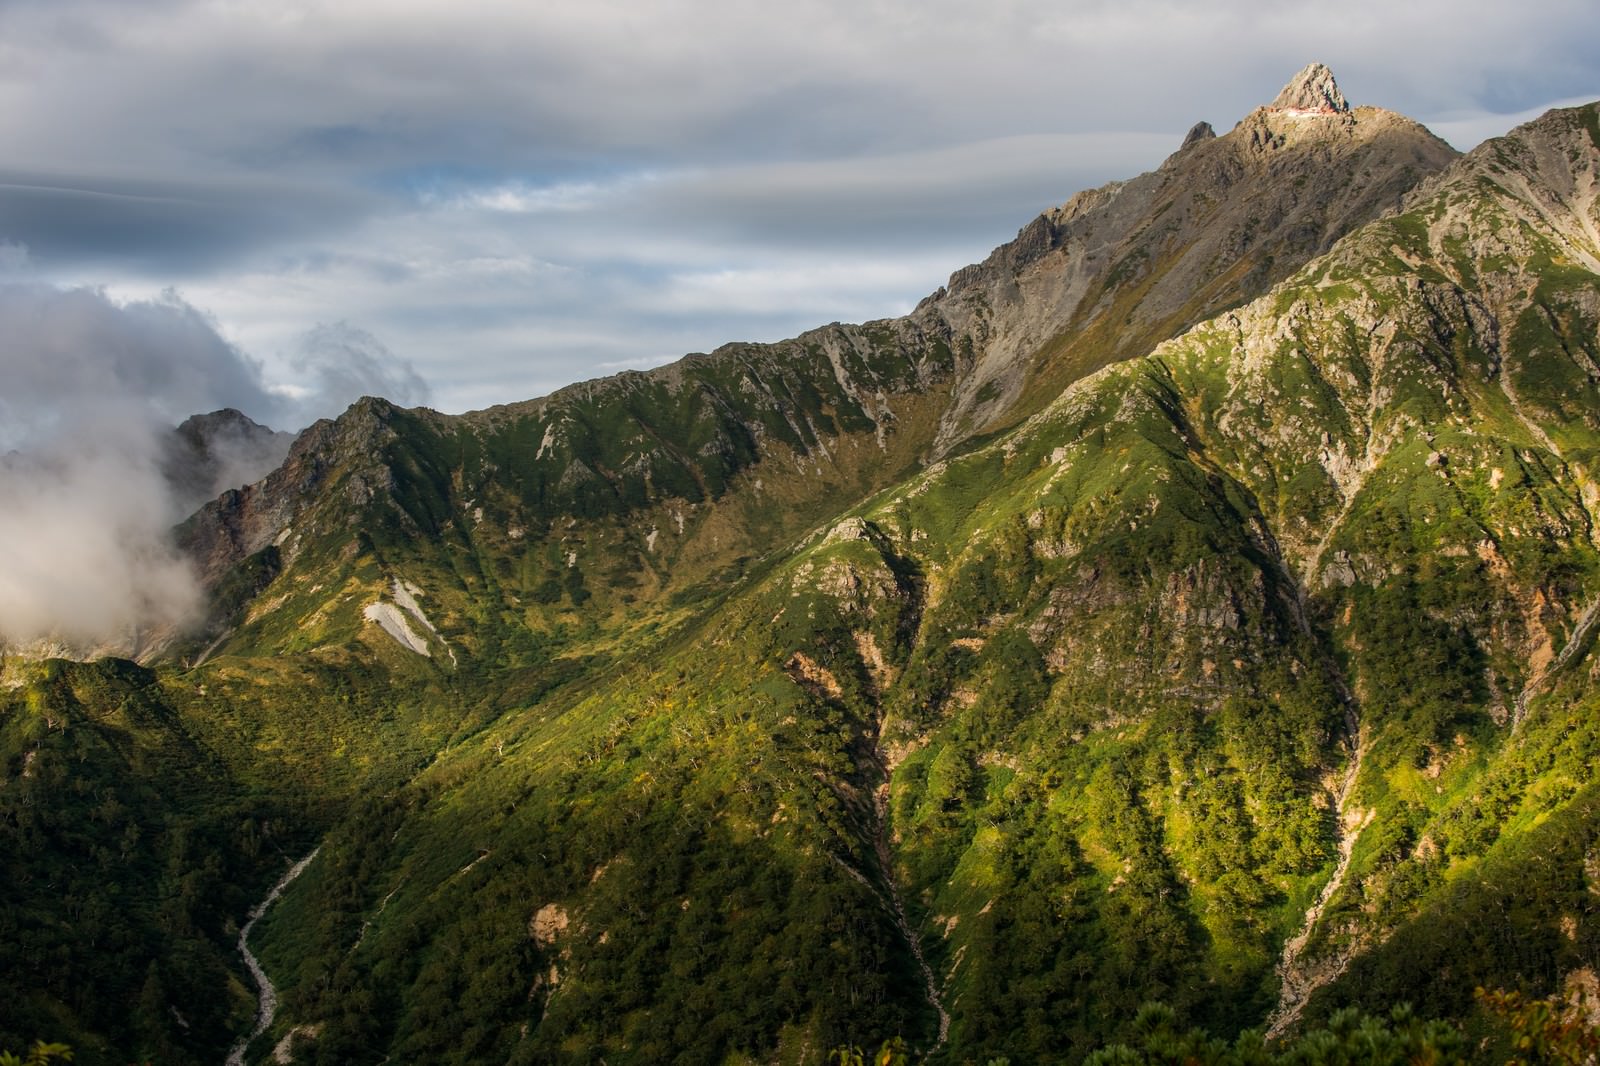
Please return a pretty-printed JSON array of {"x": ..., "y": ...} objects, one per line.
[{"x": 1250, "y": 676}]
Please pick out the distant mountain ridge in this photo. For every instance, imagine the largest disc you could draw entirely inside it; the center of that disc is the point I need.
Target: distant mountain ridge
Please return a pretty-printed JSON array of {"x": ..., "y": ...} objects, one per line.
[
  {"x": 210, "y": 453},
  {"x": 95, "y": 578}
]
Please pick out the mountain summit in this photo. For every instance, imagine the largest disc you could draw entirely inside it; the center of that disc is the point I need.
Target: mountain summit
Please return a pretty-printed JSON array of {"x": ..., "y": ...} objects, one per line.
[{"x": 1313, "y": 89}]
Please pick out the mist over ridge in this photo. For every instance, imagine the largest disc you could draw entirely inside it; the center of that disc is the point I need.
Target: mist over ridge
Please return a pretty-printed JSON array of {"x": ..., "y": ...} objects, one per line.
[{"x": 95, "y": 472}]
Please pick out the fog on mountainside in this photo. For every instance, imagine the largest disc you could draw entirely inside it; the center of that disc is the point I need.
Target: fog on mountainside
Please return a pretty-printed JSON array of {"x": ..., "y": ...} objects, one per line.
[{"x": 94, "y": 474}]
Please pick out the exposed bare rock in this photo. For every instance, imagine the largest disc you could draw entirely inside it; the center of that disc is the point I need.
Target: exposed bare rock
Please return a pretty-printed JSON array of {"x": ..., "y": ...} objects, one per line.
[
  {"x": 548, "y": 924},
  {"x": 1118, "y": 269},
  {"x": 243, "y": 521},
  {"x": 1582, "y": 992},
  {"x": 1313, "y": 89},
  {"x": 1548, "y": 173},
  {"x": 210, "y": 453},
  {"x": 880, "y": 671},
  {"x": 813, "y": 675},
  {"x": 1200, "y": 131}
]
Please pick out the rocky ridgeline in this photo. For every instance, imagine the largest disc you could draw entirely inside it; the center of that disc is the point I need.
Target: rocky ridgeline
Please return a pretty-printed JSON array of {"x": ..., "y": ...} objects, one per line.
[
  {"x": 1104, "y": 277},
  {"x": 1117, "y": 270}
]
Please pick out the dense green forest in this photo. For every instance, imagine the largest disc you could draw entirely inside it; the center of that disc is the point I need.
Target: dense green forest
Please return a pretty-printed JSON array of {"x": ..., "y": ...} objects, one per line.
[{"x": 1523, "y": 1032}]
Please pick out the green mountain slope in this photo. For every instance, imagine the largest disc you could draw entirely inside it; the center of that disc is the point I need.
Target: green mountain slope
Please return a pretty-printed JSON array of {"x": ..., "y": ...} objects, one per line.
[
  {"x": 1239, "y": 677},
  {"x": 130, "y": 850},
  {"x": 976, "y": 676}
]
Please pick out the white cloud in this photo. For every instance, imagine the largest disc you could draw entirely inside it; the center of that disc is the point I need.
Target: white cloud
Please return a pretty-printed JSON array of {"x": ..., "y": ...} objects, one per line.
[
  {"x": 84, "y": 539},
  {"x": 809, "y": 289},
  {"x": 344, "y": 362},
  {"x": 527, "y": 198}
]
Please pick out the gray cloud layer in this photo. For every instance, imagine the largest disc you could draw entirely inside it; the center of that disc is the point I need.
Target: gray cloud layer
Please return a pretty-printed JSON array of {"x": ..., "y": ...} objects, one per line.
[
  {"x": 517, "y": 195},
  {"x": 365, "y": 86},
  {"x": 167, "y": 227},
  {"x": 71, "y": 354}
]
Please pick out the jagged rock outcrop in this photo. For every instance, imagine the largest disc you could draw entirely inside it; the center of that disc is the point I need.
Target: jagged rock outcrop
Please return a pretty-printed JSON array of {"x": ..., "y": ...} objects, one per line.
[
  {"x": 1312, "y": 90},
  {"x": 1200, "y": 131},
  {"x": 243, "y": 521}
]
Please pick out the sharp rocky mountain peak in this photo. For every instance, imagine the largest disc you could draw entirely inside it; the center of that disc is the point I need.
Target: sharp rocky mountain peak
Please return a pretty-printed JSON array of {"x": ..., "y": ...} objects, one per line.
[
  {"x": 1200, "y": 131},
  {"x": 1312, "y": 90}
]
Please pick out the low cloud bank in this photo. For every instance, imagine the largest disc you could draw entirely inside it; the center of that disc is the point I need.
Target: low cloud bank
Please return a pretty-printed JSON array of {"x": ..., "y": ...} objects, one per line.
[
  {"x": 94, "y": 471},
  {"x": 88, "y": 561}
]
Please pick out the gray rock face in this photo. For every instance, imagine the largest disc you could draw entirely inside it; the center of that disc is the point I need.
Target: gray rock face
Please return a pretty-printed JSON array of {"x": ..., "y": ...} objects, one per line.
[
  {"x": 1117, "y": 270},
  {"x": 1200, "y": 131},
  {"x": 1313, "y": 89},
  {"x": 243, "y": 521},
  {"x": 210, "y": 453},
  {"x": 1476, "y": 273}
]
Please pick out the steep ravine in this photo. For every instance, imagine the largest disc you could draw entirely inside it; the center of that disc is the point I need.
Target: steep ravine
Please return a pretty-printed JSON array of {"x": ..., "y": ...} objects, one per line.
[
  {"x": 874, "y": 766},
  {"x": 1299, "y": 976},
  {"x": 897, "y": 903},
  {"x": 268, "y": 996}
]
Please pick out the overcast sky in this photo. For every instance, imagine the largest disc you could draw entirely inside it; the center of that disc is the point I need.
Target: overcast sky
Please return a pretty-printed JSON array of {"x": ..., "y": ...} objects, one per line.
[{"x": 471, "y": 203}]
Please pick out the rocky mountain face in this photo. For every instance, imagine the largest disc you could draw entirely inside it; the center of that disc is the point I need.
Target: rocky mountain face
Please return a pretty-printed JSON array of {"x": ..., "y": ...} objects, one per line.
[
  {"x": 1192, "y": 602},
  {"x": 1355, "y": 516},
  {"x": 211, "y": 453},
  {"x": 93, "y": 571},
  {"x": 1116, "y": 270},
  {"x": 1312, "y": 91}
]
